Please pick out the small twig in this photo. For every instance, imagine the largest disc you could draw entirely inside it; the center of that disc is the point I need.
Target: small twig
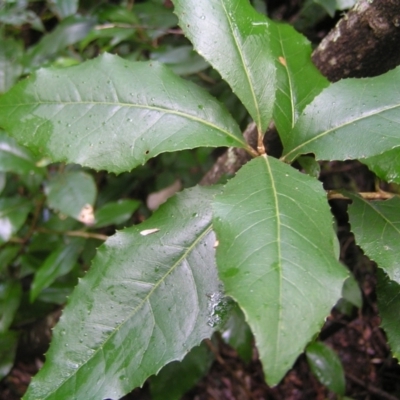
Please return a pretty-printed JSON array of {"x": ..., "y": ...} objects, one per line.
[
  {"x": 381, "y": 195},
  {"x": 84, "y": 234},
  {"x": 371, "y": 388}
]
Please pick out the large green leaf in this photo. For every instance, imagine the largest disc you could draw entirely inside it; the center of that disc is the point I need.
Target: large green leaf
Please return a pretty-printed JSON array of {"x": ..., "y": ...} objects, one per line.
[
  {"x": 376, "y": 226},
  {"x": 73, "y": 193},
  {"x": 234, "y": 39},
  {"x": 351, "y": 119},
  {"x": 143, "y": 304},
  {"x": 277, "y": 257},
  {"x": 298, "y": 79},
  {"x": 113, "y": 114},
  {"x": 10, "y": 63},
  {"x": 389, "y": 305}
]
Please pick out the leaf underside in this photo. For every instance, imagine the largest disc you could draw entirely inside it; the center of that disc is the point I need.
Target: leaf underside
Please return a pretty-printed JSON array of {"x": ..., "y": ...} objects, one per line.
[
  {"x": 234, "y": 39},
  {"x": 113, "y": 114},
  {"x": 278, "y": 257},
  {"x": 143, "y": 304}
]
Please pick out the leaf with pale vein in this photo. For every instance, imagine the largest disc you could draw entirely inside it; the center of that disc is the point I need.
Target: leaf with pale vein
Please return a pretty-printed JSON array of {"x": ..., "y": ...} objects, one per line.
[
  {"x": 278, "y": 257},
  {"x": 298, "y": 79},
  {"x": 143, "y": 304},
  {"x": 376, "y": 227},
  {"x": 351, "y": 119},
  {"x": 114, "y": 114},
  {"x": 234, "y": 39}
]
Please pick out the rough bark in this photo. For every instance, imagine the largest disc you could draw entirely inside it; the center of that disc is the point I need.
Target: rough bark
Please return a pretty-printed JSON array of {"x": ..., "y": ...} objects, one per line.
[{"x": 365, "y": 42}]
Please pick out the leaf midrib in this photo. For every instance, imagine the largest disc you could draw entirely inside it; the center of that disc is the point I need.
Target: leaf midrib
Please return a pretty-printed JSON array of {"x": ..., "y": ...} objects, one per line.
[
  {"x": 154, "y": 108},
  {"x": 259, "y": 126},
  {"x": 322, "y": 134},
  {"x": 139, "y": 306},
  {"x": 278, "y": 241}
]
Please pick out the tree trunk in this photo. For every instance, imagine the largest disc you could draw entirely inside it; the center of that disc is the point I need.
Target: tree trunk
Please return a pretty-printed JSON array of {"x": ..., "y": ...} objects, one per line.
[{"x": 365, "y": 42}]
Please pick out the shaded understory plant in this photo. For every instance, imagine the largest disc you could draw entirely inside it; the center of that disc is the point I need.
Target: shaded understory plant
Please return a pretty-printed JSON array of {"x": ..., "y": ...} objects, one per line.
[{"x": 260, "y": 249}]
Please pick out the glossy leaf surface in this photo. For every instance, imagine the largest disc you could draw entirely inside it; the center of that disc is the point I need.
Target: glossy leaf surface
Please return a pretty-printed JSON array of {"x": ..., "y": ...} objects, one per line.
[
  {"x": 389, "y": 305},
  {"x": 143, "y": 304},
  {"x": 326, "y": 366},
  {"x": 298, "y": 79},
  {"x": 71, "y": 192},
  {"x": 278, "y": 257},
  {"x": 178, "y": 377},
  {"x": 351, "y": 119},
  {"x": 376, "y": 226},
  {"x": 234, "y": 39},
  {"x": 58, "y": 263},
  {"x": 13, "y": 213},
  {"x": 114, "y": 114}
]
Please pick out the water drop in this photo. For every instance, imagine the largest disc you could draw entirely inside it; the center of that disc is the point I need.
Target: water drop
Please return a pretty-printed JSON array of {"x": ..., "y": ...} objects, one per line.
[{"x": 203, "y": 17}]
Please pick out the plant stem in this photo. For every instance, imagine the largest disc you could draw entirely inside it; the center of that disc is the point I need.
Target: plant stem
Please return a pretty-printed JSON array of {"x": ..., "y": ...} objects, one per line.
[{"x": 381, "y": 195}]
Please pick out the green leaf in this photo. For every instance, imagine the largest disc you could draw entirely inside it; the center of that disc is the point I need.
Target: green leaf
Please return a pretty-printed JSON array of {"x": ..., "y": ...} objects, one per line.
[
  {"x": 58, "y": 263},
  {"x": 298, "y": 79},
  {"x": 183, "y": 60},
  {"x": 328, "y": 5},
  {"x": 113, "y": 114},
  {"x": 386, "y": 166},
  {"x": 326, "y": 366},
  {"x": 176, "y": 378},
  {"x": 10, "y": 63},
  {"x": 73, "y": 194},
  {"x": 7, "y": 255},
  {"x": 309, "y": 165},
  {"x": 13, "y": 213},
  {"x": 234, "y": 39},
  {"x": 115, "y": 213},
  {"x": 8, "y": 348},
  {"x": 63, "y": 8},
  {"x": 351, "y": 292},
  {"x": 389, "y": 305},
  {"x": 277, "y": 257},
  {"x": 376, "y": 227},
  {"x": 14, "y": 158},
  {"x": 155, "y": 17},
  {"x": 144, "y": 303},
  {"x": 10, "y": 297},
  {"x": 351, "y": 119},
  {"x": 237, "y": 333},
  {"x": 67, "y": 32}
]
